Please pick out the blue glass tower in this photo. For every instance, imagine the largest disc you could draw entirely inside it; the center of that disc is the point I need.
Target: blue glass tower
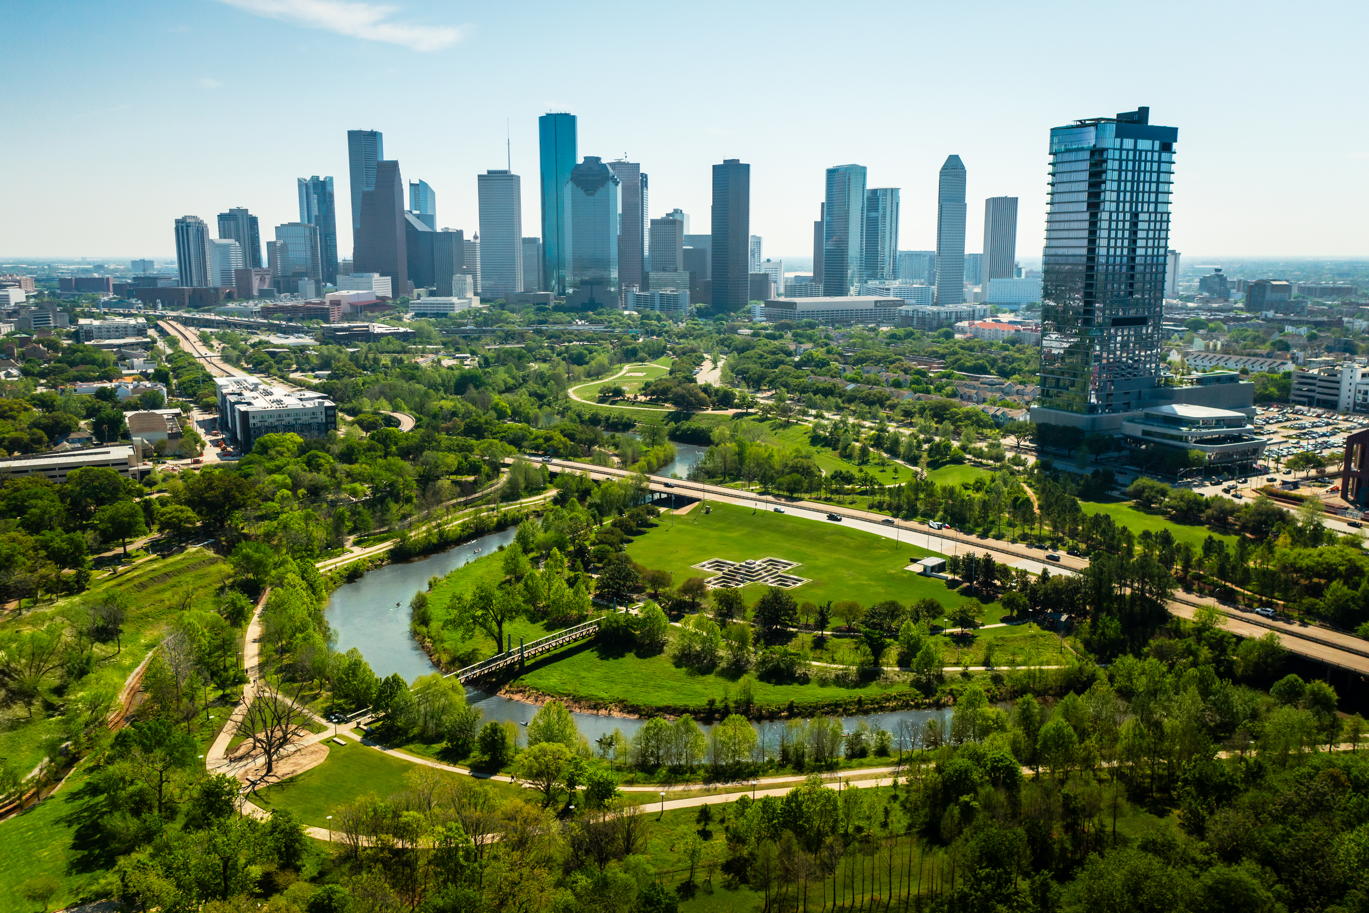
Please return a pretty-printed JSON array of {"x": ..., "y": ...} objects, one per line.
[
  {"x": 557, "y": 150},
  {"x": 423, "y": 203},
  {"x": 843, "y": 229},
  {"x": 318, "y": 208}
]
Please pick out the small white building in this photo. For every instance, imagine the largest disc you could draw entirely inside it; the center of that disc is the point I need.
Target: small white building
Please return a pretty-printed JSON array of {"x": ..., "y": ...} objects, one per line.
[
  {"x": 931, "y": 566},
  {"x": 440, "y": 306}
]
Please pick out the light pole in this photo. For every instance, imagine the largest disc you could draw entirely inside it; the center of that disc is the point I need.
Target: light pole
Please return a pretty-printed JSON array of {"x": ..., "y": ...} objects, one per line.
[
  {"x": 330, "y": 828},
  {"x": 662, "y": 814}
]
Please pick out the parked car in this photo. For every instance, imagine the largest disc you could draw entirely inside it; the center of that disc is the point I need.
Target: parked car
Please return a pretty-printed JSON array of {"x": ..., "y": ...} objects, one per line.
[
  {"x": 936, "y": 524},
  {"x": 1265, "y": 611}
]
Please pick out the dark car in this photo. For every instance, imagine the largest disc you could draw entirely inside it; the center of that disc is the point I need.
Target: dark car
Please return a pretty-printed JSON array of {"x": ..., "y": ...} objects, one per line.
[
  {"x": 778, "y": 510},
  {"x": 834, "y": 518},
  {"x": 1052, "y": 556},
  {"x": 1354, "y": 523},
  {"x": 888, "y": 520},
  {"x": 668, "y": 485}
]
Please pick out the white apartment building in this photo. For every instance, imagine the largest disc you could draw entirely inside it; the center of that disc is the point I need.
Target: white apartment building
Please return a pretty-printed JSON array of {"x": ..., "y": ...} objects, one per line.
[
  {"x": 250, "y": 407},
  {"x": 672, "y": 302},
  {"x": 440, "y": 306},
  {"x": 1344, "y": 388},
  {"x": 111, "y": 328},
  {"x": 909, "y": 292}
]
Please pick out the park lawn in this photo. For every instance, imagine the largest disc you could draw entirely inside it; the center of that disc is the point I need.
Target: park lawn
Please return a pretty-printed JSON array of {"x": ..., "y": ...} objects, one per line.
[
  {"x": 351, "y": 771},
  {"x": 1125, "y": 513},
  {"x": 957, "y": 474},
  {"x": 632, "y": 380},
  {"x": 38, "y": 843},
  {"x": 1015, "y": 645},
  {"x": 448, "y": 638},
  {"x": 156, "y": 591},
  {"x": 840, "y": 563},
  {"x": 796, "y": 436}
]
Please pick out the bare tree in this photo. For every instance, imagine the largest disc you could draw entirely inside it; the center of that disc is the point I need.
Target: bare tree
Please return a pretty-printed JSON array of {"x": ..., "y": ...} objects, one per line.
[{"x": 272, "y": 723}]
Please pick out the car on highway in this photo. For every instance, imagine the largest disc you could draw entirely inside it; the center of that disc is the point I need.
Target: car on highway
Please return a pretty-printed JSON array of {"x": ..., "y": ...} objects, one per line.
[
  {"x": 778, "y": 510},
  {"x": 1265, "y": 611},
  {"x": 936, "y": 524},
  {"x": 888, "y": 521},
  {"x": 1353, "y": 523},
  {"x": 1052, "y": 556},
  {"x": 834, "y": 518},
  {"x": 668, "y": 485}
]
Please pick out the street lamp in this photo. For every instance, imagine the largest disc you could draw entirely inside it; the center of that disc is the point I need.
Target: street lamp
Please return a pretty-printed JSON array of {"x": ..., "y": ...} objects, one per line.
[
  {"x": 662, "y": 814},
  {"x": 330, "y": 828}
]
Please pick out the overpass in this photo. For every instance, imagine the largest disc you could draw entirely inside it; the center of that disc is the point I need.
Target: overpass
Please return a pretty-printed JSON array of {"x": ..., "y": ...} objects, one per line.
[{"x": 1323, "y": 645}]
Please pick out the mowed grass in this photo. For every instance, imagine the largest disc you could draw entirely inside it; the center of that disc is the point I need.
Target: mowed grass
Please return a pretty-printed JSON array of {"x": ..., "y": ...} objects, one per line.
[
  {"x": 157, "y": 592},
  {"x": 38, "y": 844},
  {"x": 633, "y": 378},
  {"x": 1124, "y": 513},
  {"x": 957, "y": 474},
  {"x": 449, "y": 640},
  {"x": 797, "y": 437},
  {"x": 839, "y": 562}
]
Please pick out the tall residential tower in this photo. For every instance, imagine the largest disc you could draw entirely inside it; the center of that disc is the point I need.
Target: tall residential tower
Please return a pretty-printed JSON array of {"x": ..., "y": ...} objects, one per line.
[
  {"x": 1000, "y": 240},
  {"x": 317, "y": 207},
  {"x": 843, "y": 229},
  {"x": 950, "y": 232},
  {"x": 192, "y": 251},
  {"x": 240, "y": 225},
  {"x": 881, "y": 233},
  {"x": 365, "y": 149}
]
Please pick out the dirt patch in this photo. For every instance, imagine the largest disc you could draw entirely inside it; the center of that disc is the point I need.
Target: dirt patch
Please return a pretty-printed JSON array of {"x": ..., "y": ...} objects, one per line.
[{"x": 294, "y": 763}]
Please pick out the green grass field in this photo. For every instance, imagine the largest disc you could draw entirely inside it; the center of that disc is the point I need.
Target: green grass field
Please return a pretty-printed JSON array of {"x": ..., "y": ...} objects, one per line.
[
  {"x": 796, "y": 437},
  {"x": 38, "y": 843},
  {"x": 156, "y": 590},
  {"x": 448, "y": 640},
  {"x": 839, "y": 562},
  {"x": 633, "y": 378},
  {"x": 957, "y": 474},
  {"x": 1125, "y": 514}
]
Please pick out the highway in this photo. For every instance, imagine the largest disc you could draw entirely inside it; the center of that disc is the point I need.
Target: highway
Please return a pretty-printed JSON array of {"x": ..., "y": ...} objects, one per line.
[
  {"x": 190, "y": 342},
  {"x": 1321, "y": 644}
]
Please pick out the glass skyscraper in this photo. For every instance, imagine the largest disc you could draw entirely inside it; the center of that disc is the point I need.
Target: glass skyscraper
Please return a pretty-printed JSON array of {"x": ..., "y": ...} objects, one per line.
[
  {"x": 950, "y": 232},
  {"x": 1000, "y": 240},
  {"x": 380, "y": 242},
  {"x": 365, "y": 149},
  {"x": 192, "y": 251},
  {"x": 423, "y": 203},
  {"x": 557, "y": 151},
  {"x": 881, "y": 233},
  {"x": 501, "y": 233},
  {"x": 240, "y": 225},
  {"x": 1107, "y": 238},
  {"x": 318, "y": 208},
  {"x": 632, "y": 239},
  {"x": 300, "y": 258},
  {"x": 590, "y": 220},
  {"x": 731, "y": 234},
  {"x": 843, "y": 229}
]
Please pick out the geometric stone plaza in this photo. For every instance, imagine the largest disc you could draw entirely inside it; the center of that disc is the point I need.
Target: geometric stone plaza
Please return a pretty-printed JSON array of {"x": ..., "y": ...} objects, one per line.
[{"x": 732, "y": 574}]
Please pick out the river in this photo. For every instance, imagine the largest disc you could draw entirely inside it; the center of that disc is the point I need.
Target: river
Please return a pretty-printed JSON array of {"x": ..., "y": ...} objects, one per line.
[{"x": 372, "y": 614}]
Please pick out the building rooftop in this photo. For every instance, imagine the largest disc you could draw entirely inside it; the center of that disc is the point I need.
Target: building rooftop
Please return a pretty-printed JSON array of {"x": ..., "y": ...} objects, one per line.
[{"x": 1187, "y": 410}]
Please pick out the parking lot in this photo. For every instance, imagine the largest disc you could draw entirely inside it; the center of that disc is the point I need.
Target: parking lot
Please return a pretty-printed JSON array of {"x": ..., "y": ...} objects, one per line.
[{"x": 1296, "y": 429}]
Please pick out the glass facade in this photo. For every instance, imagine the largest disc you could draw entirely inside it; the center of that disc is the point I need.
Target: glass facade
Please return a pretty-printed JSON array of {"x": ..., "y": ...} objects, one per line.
[
  {"x": 1107, "y": 239},
  {"x": 317, "y": 207},
  {"x": 730, "y": 278},
  {"x": 365, "y": 149},
  {"x": 950, "y": 232},
  {"x": 591, "y": 218},
  {"x": 843, "y": 229},
  {"x": 881, "y": 233},
  {"x": 557, "y": 151},
  {"x": 300, "y": 256},
  {"x": 423, "y": 203}
]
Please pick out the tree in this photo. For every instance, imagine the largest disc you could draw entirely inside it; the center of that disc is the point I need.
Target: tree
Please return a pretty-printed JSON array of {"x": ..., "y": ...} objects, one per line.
[
  {"x": 545, "y": 765},
  {"x": 354, "y": 684},
  {"x": 40, "y": 889},
  {"x": 731, "y": 743},
  {"x": 652, "y": 629},
  {"x": 176, "y": 519},
  {"x": 121, "y": 520},
  {"x": 272, "y": 723},
  {"x": 494, "y": 745},
  {"x": 107, "y": 613},
  {"x": 692, "y": 592},
  {"x": 157, "y": 749},
  {"x": 618, "y": 580},
  {"x": 728, "y": 603},
  {"x": 776, "y": 610},
  {"x": 553, "y": 723},
  {"x": 487, "y": 610}
]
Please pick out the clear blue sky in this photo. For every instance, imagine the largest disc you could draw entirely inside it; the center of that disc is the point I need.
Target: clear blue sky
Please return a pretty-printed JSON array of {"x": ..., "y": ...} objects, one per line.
[{"x": 122, "y": 116}]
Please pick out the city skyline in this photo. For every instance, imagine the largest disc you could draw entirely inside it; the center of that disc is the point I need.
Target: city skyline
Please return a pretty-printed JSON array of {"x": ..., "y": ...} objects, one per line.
[{"x": 1216, "y": 209}]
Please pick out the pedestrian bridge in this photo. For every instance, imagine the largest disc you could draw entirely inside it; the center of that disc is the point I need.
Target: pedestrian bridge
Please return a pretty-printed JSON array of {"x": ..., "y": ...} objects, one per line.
[{"x": 501, "y": 662}]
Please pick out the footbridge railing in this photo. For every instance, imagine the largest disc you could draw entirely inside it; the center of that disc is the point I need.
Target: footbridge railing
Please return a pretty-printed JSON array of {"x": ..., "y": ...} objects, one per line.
[{"x": 524, "y": 652}]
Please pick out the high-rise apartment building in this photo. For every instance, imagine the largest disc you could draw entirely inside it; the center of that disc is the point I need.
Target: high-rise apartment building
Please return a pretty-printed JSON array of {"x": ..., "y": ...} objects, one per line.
[
  {"x": 365, "y": 149},
  {"x": 950, "y": 232},
  {"x": 917, "y": 266},
  {"x": 632, "y": 239},
  {"x": 301, "y": 257},
  {"x": 753, "y": 254},
  {"x": 380, "y": 243},
  {"x": 1172, "y": 274},
  {"x": 974, "y": 268},
  {"x": 1000, "y": 240},
  {"x": 591, "y": 220},
  {"x": 192, "y": 252},
  {"x": 501, "y": 233},
  {"x": 881, "y": 234},
  {"x": 730, "y": 284},
  {"x": 1103, "y": 284},
  {"x": 240, "y": 225},
  {"x": 557, "y": 151},
  {"x": 318, "y": 208},
  {"x": 225, "y": 256},
  {"x": 843, "y": 232},
  {"x": 423, "y": 203},
  {"x": 532, "y": 266},
  {"x": 667, "y": 245}
]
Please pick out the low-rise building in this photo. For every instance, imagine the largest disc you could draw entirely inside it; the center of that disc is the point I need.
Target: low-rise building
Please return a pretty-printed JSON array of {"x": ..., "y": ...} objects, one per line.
[
  {"x": 41, "y": 317},
  {"x": 364, "y": 332},
  {"x": 909, "y": 292},
  {"x": 375, "y": 283},
  {"x": 326, "y": 311},
  {"x": 1343, "y": 388},
  {"x": 250, "y": 407},
  {"x": 936, "y": 316},
  {"x": 86, "y": 285},
  {"x": 1013, "y": 292},
  {"x": 124, "y": 390},
  {"x": 440, "y": 306},
  {"x": 110, "y": 328},
  {"x": 1002, "y": 330},
  {"x": 123, "y": 458},
  {"x": 671, "y": 302},
  {"x": 1224, "y": 438},
  {"x": 835, "y": 310},
  {"x": 154, "y": 425}
]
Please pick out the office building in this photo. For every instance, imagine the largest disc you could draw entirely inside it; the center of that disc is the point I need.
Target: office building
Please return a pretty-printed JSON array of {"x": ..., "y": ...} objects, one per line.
[
  {"x": 843, "y": 230},
  {"x": 680, "y": 216},
  {"x": 192, "y": 252},
  {"x": 818, "y": 228},
  {"x": 123, "y": 459},
  {"x": 729, "y": 283},
  {"x": 317, "y": 208},
  {"x": 1000, "y": 240},
  {"x": 365, "y": 149},
  {"x": 1172, "y": 274},
  {"x": 501, "y": 233},
  {"x": 380, "y": 245},
  {"x": 934, "y": 317},
  {"x": 1103, "y": 284},
  {"x": 840, "y": 310},
  {"x": 775, "y": 270},
  {"x": 667, "y": 245},
  {"x": 917, "y": 266},
  {"x": 451, "y": 275},
  {"x": 423, "y": 203},
  {"x": 671, "y": 302},
  {"x": 950, "y": 232},
  {"x": 632, "y": 239},
  {"x": 419, "y": 251},
  {"x": 881, "y": 233},
  {"x": 225, "y": 256},
  {"x": 471, "y": 262},
  {"x": 698, "y": 262},
  {"x": 1169, "y": 435},
  {"x": 86, "y": 285},
  {"x": 802, "y": 287},
  {"x": 1013, "y": 293},
  {"x": 590, "y": 228},
  {"x": 88, "y": 330},
  {"x": 668, "y": 279},
  {"x": 973, "y": 268},
  {"x": 1342, "y": 388},
  {"x": 1269, "y": 295},
  {"x": 1354, "y": 479},
  {"x": 299, "y": 255},
  {"x": 12, "y": 296},
  {"x": 1215, "y": 285},
  {"x": 908, "y": 292},
  {"x": 441, "y": 306},
  {"x": 240, "y": 225},
  {"x": 753, "y": 254},
  {"x": 379, "y": 286},
  {"x": 142, "y": 267},
  {"x": 250, "y": 407},
  {"x": 532, "y": 265},
  {"x": 249, "y": 283},
  {"x": 557, "y": 151}
]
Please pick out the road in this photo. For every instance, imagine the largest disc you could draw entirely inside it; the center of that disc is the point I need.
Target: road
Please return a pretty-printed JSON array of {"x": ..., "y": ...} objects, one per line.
[
  {"x": 190, "y": 342},
  {"x": 1324, "y": 645},
  {"x": 406, "y": 421}
]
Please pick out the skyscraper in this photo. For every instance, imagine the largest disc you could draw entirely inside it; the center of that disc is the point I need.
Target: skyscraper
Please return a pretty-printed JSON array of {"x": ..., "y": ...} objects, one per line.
[
  {"x": 1172, "y": 275},
  {"x": 380, "y": 243},
  {"x": 1000, "y": 240},
  {"x": 423, "y": 203},
  {"x": 301, "y": 257},
  {"x": 470, "y": 248},
  {"x": 365, "y": 149},
  {"x": 632, "y": 240},
  {"x": 420, "y": 254},
  {"x": 680, "y": 216},
  {"x": 591, "y": 220},
  {"x": 225, "y": 256},
  {"x": 318, "y": 208},
  {"x": 240, "y": 225},
  {"x": 753, "y": 254},
  {"x": 950, "y": 232},
  {"x": 881, "y": 233},
  {"x": 557, "y": 151},
  {"x": 819, "y": 227},
  {"x": 532, "y": 265},
  {"x": 667, "y": 245},
  {"x": 501, "y": 233},
  {"x": 192, "y": 251},
  {"x": 449, "y": 260},
  {"x": 731, "y": 233},
  {"x": 843, "y": 229},
  {"x": 1103, "y": 285},
  {"x": 917, "y": 266}
]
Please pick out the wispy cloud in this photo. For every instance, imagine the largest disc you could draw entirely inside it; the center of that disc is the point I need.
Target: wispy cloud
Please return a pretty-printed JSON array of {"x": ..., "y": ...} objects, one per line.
[
  {"x": 368, "y": 21},
  {"x": 208, "y": 82}
]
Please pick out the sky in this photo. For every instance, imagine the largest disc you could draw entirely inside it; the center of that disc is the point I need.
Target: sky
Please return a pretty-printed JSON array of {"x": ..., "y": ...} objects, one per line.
[{"x": 124, "y": 115}]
